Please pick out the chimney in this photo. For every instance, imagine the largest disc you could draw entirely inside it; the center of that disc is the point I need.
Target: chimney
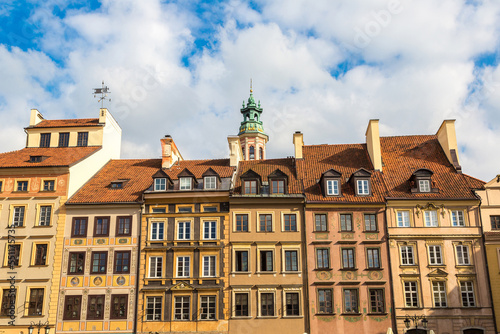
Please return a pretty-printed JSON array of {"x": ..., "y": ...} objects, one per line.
[
  {"x": 448, "y": 140},
  {"x": 373, "y": 144},
  {"x": 35, "y": 117},
  {"x": 235, "y": 153},
  {"x": 169, "y": 152},
  {"x": 298, "y": 143},
  {"x": 102, "y": 115}
]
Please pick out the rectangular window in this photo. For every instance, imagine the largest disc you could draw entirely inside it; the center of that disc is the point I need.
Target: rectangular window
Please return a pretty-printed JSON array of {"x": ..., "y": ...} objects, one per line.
[
  {"x": 210, "y": 182},
  {"x": 351, "y": 301},
  {"x": 8, "y": 299},
  {"x": 363, "y": 187},
  {"x": 377, "y": 303},
  {"x": 435, "y": 257},
  {"x": 123, "y": 226},
  {"x": 18, "y": 216},
  {"x": 373, "y": 258},
  {"x": 348, "y": 258},
  {"x": 63, "y": 139},
  {"x": 48, "y": 185},
  {"x": 22, "y": 185},
  {"x": 45, "y": 213},
  {"x": 185, "y": 183},
  {"x": 76, "y": 265},
  {"x": 72, "y": 305},
  {"x": 40, "y": 254},
  {"x": 122, "y": 262},
  {"x": 322, "y": 258},
  {"x": 292, "y": 304},
  {"x": 439, "y": 294},
  {"x": 467, "y": 292},
  {"x": 157, "y": 231},
  {"x": 411, "y": 294},
  {"x": 457, "y": 218},
  {"x": 210, "y": 208},
  {"x": 95, "y": 309},
  {"x": 208, "y": 307},
  {"x": 325, "y": 301},
  {"x": 430, "y": 218},
  {"x": 83, "y": 138},
  {"x": 241, "y": 304},
  {"x": 14, "y": 254},
  {"x": 266, "y": 223},
  {"x": 160, "y": 184},
  {"x": 290, "y": 223},
  {"x": 185, "y": 209},
  {"x": 209, "y": 266},
  {"x": 159, "y": 210},
  {"x": 332, "y": 187},
  {"x": 183, "y": 269},
  {"x": 1, "y": 186},
  {"x": 184, "y": 231},
  {"x": 181, "y": 308},
  {"x": 266, "y": 260},
  {"x": 320, "y": 220},
  {"x": 463, "y": 258},
  {"x": 424, "y": 186},
  {"x": 267, "y": 304},
  {"x": 250, "y": 187},
  {"x": 35, "y": 306},
  {"x": 407, "y": 258},
  {"x": 241, "y": 258},
  {"x": 495, "y": 222},
  {"x": 291, "y": 260},
  {"x": 155, "y": 266},
  {"x": 118, "y": 307},
  {"x": 403, "y": 218},
  {"x": 242, "y": 223},
  {"x": 99, "y": 260},
  {"x": 210, "y": 230},
  {"x": 45, "y": 140},
  {"x": 79, "y": 228},
  {"x": 277, "y": 187},
  {"x": 153, "y": 309},
  {"x": 101, "y": 227},
  {"x": 346, "y": 222},
  {"x": 370, "y": 223}
]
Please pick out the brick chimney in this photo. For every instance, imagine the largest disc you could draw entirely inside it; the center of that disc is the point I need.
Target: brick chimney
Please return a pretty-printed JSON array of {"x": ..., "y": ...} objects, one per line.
[{"x": 169, "y": 152}]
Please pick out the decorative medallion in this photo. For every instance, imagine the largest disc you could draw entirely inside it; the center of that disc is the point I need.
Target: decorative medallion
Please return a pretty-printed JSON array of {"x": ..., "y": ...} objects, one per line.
[
  {"x": 120, "y": 280},
  {"x": 75, "y": 281},
  {"x": 352, "y": 319},
  {"x": 323, "y": 275},
  {"x": 60, "y": 182},
  {"x": 375, "y": 275},
  {"x": 97, "y": 281},
  {"x": 321, "y": 236},
  {"x": 35, "y": 185},
  {"x": 349, "y": 275},
  {"x": 100, "y": 241},
  {"x": 371, "y": 236},
  {"x": 122, "y": 241},
  {"x": 78, "y": 241},
  {"x": 345, "y": 236}
]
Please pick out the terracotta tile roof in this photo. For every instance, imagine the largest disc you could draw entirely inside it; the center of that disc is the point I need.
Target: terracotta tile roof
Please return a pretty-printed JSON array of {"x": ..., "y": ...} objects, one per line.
[
  {"x": 55, "y": 156},
  {"x": 58, "y": 123},
  {"x": 137, "y": 172},
  {"x": 403, "y": 155},
  {"x": 346, "y": 159},
  {"x": 198, "y": 167},
  {"x": 266, "y": 167},
  {"x": 474, "y": 183}
]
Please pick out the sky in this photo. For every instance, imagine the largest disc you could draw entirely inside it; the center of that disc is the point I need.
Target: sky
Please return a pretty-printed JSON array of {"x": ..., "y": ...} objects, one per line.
[{"x": 322, "y": 67}]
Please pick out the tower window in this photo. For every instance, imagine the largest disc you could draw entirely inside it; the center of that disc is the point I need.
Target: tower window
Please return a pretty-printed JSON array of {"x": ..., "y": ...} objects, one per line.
[
  {"x": 251, "y": 153},
  {"x": 261, "y": 153}
]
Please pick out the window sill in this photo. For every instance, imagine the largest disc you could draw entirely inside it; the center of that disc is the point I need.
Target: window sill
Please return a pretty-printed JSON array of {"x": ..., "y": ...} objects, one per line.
[
  {"x": 370, "y": 231},
  {"x": 38, "y": 265},
  {"x": 324, "y": 314},
  {"x": 75, "y": 274},
  {"x": 378, "y": 314},
  {"x": 412, "y": 308},
  {"x": 43, "y": 226},
  {"x": 292, "y": 317},
  {"x": 374, "y": 269},
  {"x": 291, "y": 272},
  {"x": 351, "y": 314},
  {"x": 33, "y": 316},
  {"x": 267, "y": 317},
  {"x": 436, "y": 266},
  {"x": 243, "y": 317},
  {"x": 15, "y": 226},
  {"x": 241, "y": 231},
  {"x": 266, "y": 272},
  {"x": 241, "y": 272},
  {"x": 123, "y": 236},
  {"x": 348, "y": 269},
  {"x": 322, "y": 269}
]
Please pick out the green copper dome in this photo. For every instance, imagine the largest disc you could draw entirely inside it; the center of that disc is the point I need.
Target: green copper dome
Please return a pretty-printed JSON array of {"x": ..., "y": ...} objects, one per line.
[{"x": 251, "y": 117}]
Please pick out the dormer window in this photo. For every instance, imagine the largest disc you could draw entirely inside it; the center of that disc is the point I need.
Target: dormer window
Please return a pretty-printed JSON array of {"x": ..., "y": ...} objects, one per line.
[
  {"x": 277, "y": 186},
  {"x": 187, "y": 180},
  {"x": 250, "y": 187},
  {"x": 278, "y": 182},
  {"x": 250, "y": 183},
  {"x": 36, "y": 158},
  {"x": 210, "y": 182},
  {"x": 160, "y": 184},
  {"x": 330, "y": 183},
  {"x": 363, "y": 187},
  {"x": 421, "y": 181},
  {"x": 185, "y": 183},
  {"x": 424, "y": 186},
  {"x": 118, "y": 184},
  {"x": 360, "y": 180},
  {"x": 332, "y": 187}
]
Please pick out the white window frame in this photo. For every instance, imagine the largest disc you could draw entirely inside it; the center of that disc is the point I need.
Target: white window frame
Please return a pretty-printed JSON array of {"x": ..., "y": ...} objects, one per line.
[
  {"x": 457, "y": 218},
  {"x": 181, "y": 232},
  {"x": 183, "y": 261},
  {"x": 18, "y": 217},
  {"x": 424, "y": 186},
  {"x": 45, "y": 219},
  {"x": 156, "y": 225},
  {"x": 153, "y": 300},
  {"x": 467, "y": 289},
  {"x": 435, "y": 255},
  {"x": 181, "y": 313},
  {"x": 410, "y": 255},
  {"x": 212, "y": 229},
  {"x": 403, "y": 218},
  {"x": 160, "y": 184},
  {"x": 332, "y": 187},
  {"x": 209, "y": 265},
  {"x": 411, "y": 293},
  {"x": 363, "y": 187},
  {"x": 210, "y": 182},
  {"x": 157, "y": 263},
  {"x": 463, "y": 257},
  {"x": 431, "y": 218},
  {"x": 208, "y": 315},
  {"x": 184, "y": 183},
  {"x": 439, "y": 297}
]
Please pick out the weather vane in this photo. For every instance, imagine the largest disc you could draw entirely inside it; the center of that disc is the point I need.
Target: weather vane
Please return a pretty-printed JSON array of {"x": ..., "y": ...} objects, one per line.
[{"x": 104, "y": 91}]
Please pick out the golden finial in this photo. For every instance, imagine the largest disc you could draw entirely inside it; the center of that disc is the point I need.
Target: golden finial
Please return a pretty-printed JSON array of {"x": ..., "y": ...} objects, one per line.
[{"x": 251, "y": 90}]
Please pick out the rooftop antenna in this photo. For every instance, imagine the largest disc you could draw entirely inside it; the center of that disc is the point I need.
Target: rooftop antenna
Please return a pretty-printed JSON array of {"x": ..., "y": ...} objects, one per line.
[{"x": 104, "y": 91}]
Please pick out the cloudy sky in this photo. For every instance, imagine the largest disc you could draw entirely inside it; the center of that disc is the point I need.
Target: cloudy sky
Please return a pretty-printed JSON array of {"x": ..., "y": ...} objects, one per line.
[{"x": 323, "y": 67}]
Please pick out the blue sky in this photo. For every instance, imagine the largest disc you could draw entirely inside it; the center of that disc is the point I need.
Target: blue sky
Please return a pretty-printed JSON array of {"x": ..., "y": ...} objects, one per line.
[{"x": 325, "y": 68}]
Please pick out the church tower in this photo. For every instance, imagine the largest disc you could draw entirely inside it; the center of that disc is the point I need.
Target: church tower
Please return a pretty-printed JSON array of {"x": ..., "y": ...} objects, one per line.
[{"x": 252, "y": 137}]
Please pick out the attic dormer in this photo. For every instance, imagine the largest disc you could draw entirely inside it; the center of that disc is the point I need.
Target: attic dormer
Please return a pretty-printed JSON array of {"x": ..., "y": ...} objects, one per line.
[
  {"x": 187, "y": 180},
  {"x": 330, "y": 183},
  {"x": 278, "y": 182},
  {"x": 211, "y": 180},
  {"x": 161, "y": 181},
  {"x": 251, "y": 183},
  {"x": 361, "y": 182},
  {"x": 421, "y": 181}
]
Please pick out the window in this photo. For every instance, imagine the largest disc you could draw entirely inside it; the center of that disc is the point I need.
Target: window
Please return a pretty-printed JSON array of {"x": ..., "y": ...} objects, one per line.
[
  {"x": 181, "y": 308},
  {"x": 14, "y": 254},
  {"x": 348, "y": 258},
  {"x": 157, "y": 231},
  {"x": 210, "y": 182},
  {"x": 424, "y": 186},
  {"x": 320, "y": 220},
  {"x": 430, "y": 218},
  {"x": 122, "y": 262},
  {"x": 377, "y": 303},
  {"x": 363, "y": 187},
  {"x": 495, "y": 222},
  {"x": 467, "y": 292},
  {"x": 322, "y": 258},
  {"x": 241, "y": 260},
  {"x": 82, "y": 139},
  {"x": 183, "y": 266},
  {"x": 155, "y": 266},
  {"x": 332, "y": 187},
  {"x": 266, "y": 260},
  {"x": 185, "y": 209},
  {"x": 35, "y": 305},
  {"x": 185, "y": 183},
  {"x": 403, "y": 218},
  {"x": 210, "y": 230},
  {"x": 373, "y": 258},
  {"x": 18, "y": 216},
  {"x": 45, "y": 140},
  {"x": 48, "y": 185},
  {"x": 1, "y": 184},
  {"x": 159, "y": 210},
  {"x": 95, "y": 309},
  {"x": 250, "y": 187},
  {"x": 407, "y": 256},
  {"x": 79, "y": 228},
  {"x": 351, "y": 301},
  {"x": 439, "y": 294},
  {"x": 101, "y": 227},
  {"x": 266, "y": 223},
  {"x": 160, "y": 184},
  {"x": 463, "y": 258},
  {"x": 45, "y": 212},
  {"x": 153, "y": 309},
  {"x": 241, "y": 304},
  {"x": 209, "y": 266},
  {"x": 435, "y": 257},
  {"x": 291, "y": 260},
  {"x": 208, "y": 307},
  {"x": 99, "y": 260},
  {"x": 119, "y": 307},
  {"x": 40, "y": 254},
  {"x": 8, "y": 299},
  {"x": 457, "y": 218},
  {"x": 76, "y": 264},
  {"x": 411, "y": 294},
  {"x": 277, "y": 186},
  {"x": 292, "y": 304},
  {"x": 346, "y": 222},
  {"x": 22, "y": 185},
  {"x": 261, "y": 153},
  {"x": 252, "y": 153},
  {"x": 370, "y": 223},
  {"x": 63, "y": 139},
  {"x": 210, "y": 208},
  {"x": 72, "y": 305},
  {"x": 184, "y": 231},
  {"x": 267, "y": 304},
  {"x": 241, "y": 223},
  {"x": 123, "y": 226},
  {"x": 290, "y": 223},
  {"x": 325, "y": 301}
]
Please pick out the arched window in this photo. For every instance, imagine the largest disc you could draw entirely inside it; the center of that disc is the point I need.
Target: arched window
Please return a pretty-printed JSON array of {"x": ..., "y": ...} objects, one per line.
[
  {"x": 252, "y": 153},
  {"x": 261, "y": 153}
]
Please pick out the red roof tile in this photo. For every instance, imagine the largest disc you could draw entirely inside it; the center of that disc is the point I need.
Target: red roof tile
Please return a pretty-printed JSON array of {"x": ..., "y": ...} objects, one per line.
[
  {"x": 54, "y": 156},
  {"x": 137, "y": 172},
  {"x": 59, "y": 123},
  {"x": 198, "y": 167}
]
